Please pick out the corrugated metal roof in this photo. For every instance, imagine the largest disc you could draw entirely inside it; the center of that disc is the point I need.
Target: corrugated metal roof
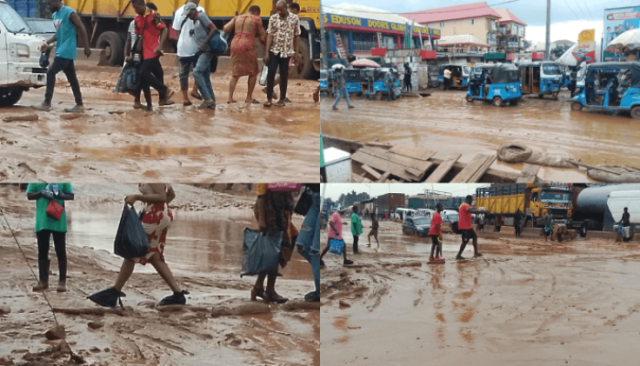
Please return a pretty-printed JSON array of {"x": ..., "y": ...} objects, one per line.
[
  {"x": 474, "y": 10},
  {"x": 506, "y": 16}
]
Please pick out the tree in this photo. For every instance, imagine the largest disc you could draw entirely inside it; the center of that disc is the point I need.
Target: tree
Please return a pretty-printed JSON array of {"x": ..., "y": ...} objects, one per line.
[
  {"x": 526, "y": 44},
  {"x": 352, "y": 197},
  {"x": 559, "y": 50}
]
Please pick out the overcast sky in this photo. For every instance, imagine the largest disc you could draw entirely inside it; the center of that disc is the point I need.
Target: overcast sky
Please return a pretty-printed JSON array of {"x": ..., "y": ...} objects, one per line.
[
  {"x": 334, "y": 190},
  {"x": 568, "y": 17}
]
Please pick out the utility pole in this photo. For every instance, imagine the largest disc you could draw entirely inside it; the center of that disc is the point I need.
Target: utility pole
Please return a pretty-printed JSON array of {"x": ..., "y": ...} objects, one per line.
[
  {"x": 323, "y": 38},
  {"x": 548, "y": 44}
]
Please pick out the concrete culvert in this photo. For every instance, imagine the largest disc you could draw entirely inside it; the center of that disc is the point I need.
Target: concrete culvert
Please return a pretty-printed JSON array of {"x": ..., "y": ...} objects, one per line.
[{"x": 514, "y": 153}]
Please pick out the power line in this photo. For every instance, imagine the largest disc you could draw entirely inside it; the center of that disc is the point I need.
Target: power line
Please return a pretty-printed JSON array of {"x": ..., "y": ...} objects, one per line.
[
  {"x": 582, "y": 11},
  {"x": 585, "y": 4},
  {"x": 426, "y": 11},
  {"x": 574, "y": 13}
]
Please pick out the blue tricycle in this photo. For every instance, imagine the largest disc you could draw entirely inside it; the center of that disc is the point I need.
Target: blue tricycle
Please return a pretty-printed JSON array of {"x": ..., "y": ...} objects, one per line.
[
  {"x": 541, "y": 78},
  {"x": 496, "y": 83}
]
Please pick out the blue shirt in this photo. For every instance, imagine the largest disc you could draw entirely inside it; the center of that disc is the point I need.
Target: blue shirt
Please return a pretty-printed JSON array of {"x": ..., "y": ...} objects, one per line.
[{"x": 65, "y": 33}]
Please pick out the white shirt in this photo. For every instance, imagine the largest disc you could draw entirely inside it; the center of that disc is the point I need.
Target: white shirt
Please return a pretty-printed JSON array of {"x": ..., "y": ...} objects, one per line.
[
  {"x": 447, "y": 74},
  {"x": 187, "y": 45},
  {"x": 134, "y": 37}
]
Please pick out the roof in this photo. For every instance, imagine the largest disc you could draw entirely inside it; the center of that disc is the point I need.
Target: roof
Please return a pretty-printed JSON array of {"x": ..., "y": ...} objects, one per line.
[
  {"x": 459, "y": 40},
  {"x": 361, "y": 11},
  {"x": 474, "y": 10},
  {"x": 507, "y": 17}
]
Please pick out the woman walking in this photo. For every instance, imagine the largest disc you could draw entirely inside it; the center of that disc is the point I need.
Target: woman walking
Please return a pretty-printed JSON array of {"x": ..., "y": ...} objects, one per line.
[
  {"x": 243, "y": 54},
  {"x": 51, "y": 221},
  {"x": 156, "y": 220}
]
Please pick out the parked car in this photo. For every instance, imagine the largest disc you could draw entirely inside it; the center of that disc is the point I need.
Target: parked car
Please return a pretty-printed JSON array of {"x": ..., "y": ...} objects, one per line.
[
  {"x": 42, "y": 28},
  {"x": 416, "y": 226}
]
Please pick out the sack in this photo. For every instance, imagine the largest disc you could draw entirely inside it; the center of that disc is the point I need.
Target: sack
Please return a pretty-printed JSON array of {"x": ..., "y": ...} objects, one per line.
[
  {"x": 55, "y": 210},
  {"x": 263, "y": 76},
  {"x": 284, "y": 187},
  {"x": 304, "y": 203},
  {"x": 131, "y": 239},
  {"x": 261, "y": 253},
  {"x": 336, "y": 246},
  {"x": 129, "y": 79},
  {"x": 218, "y": 43}
]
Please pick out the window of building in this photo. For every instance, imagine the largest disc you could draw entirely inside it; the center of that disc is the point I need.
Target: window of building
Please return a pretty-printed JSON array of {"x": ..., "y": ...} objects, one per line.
[
  {"x": 471, "y": 21},
  {"x": 441, "y": 24},
  {"x": 364, "y": 42}
]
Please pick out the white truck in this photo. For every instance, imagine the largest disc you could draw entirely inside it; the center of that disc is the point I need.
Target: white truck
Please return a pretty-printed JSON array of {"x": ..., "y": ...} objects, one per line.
[{"x": 19, "y": 57}]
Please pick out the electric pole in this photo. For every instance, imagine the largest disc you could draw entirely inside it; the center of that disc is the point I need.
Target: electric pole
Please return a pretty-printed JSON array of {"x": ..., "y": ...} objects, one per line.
[
  {"x": 547, "y": 55},
  {"x": 323, "y": 46}
]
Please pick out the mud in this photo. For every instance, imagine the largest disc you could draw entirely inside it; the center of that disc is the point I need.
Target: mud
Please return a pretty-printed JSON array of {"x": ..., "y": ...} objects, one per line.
[
  {"x": 526, "y": 302},
  {"x": 203, "y": 251},
  {"x": 235, "y": 143},
  {"x": 446, "y": 123}
]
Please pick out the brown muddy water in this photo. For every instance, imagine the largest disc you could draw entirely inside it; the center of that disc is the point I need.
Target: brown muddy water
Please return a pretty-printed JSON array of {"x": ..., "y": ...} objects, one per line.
[{"x": 444, "y": 122}]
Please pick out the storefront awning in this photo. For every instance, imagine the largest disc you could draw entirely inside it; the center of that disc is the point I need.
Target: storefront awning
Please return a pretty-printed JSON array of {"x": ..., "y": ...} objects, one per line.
[{"x": 495, "y": 56}]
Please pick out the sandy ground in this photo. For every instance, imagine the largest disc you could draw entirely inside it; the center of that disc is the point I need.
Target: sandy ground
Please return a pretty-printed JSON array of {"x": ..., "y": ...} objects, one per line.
[
  {"x": 204, "y": 251},
  {"x": 235, "y": 143},
  {"x": 526, "y": 302},
  {"x": 446, "y": 123}
]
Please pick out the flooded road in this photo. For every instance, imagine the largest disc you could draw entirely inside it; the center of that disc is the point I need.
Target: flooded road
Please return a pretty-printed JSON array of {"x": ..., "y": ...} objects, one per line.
[
  {"x": 446, "y": 123},
  {"x": 526, "y": 302},
  {"x": 235, "y": 143}
]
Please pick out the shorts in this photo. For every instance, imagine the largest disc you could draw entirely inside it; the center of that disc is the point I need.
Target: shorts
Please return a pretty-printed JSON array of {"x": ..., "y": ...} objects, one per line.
[
  {"x": 434, "y": 239},
  {"x": 468, "y": 234}
]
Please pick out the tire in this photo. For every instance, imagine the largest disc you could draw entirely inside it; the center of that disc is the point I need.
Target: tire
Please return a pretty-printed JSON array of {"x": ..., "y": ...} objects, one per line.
[
  {"x": 304, "y": 68},
  {"x": 555, "y": 95},
  {"x": 9, "y": 97},
  {"x": 111, "y": 43},
  {"x": 497, "y": 102},
  {"x": 378, "y": 95},
  {"x": 575, "y": 106},
  {"x": 469, "y": 98},
  {"x": 635, "y": 112}
]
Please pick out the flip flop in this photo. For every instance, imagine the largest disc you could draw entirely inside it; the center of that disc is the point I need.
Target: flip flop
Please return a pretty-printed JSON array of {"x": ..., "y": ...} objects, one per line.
[
  {"x": 196, "y": 96},
  {"x": 252, "y": 102}
]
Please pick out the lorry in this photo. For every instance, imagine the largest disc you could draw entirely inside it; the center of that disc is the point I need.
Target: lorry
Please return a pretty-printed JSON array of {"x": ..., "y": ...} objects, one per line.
[
  {"x": 107, "y": 22},
  {"x": 500, "y": 203},
  {"x": 600, "y": 208},
  {"x": 19, "y": 57}
]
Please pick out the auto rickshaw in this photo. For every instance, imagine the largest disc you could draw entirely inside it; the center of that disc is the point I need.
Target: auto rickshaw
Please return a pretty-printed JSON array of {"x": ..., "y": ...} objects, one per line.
[
  {"x": 611, "y": 86},
  {"x": 497, "y": 83},
  {"x": 541, "y": 78},
  {"x": 326, "y": 82},
  {"x": 352, "y": 81},
  {"x": 459, "y": 76},
  {"x": 372, "y": 82}
]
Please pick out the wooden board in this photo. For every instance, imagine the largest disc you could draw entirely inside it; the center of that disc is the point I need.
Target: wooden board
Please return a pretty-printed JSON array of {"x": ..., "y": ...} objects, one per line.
[
  {"x": 444, "y": 168},
  {"x": 356, "y": 178},
  {"x": 435, "y": 262},
  {"x": 415, "y": 167},
  {"x": 371, "y": 171},
  {"x": 474, "y": 170},
  {"x": 412, "y": 152},
  {"x": 529, "y": 174},
  {"x": 598, "y": 168},
  {"x": 384, "y": 177},
  {"x": 380, "y": 164}
]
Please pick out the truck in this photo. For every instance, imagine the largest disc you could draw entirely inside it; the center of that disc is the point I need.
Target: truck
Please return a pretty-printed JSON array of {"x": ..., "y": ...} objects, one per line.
[
  {"x": 501, "y": 202},
  {"x": 600, "y": 208},
  {"x": 19, "y": 57},
  {"x": 107, "y": 22}
]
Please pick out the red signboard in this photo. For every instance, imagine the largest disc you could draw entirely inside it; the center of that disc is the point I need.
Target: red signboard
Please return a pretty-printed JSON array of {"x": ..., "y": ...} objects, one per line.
[
  {"x": 428, "y": 55},
  {"x": 511, "y": 56},
  {"x": 378, "y": 52},
  {"x": 537, "y": 56}
]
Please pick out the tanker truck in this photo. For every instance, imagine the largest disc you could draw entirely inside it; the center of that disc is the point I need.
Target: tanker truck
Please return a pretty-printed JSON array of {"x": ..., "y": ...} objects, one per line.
[
  {"x": 107, "y": 22},
  {"x": 600, "y": 208}
]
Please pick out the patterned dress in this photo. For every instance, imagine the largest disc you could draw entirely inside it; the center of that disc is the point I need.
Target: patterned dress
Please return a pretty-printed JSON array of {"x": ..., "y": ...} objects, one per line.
[
  {"x": 243, "y": 52},
  {"x": 156, "y": 221}
]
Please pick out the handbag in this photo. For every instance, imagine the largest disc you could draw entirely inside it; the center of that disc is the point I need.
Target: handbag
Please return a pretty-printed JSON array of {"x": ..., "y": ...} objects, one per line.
[
  {"x": 304, "y": 203},
  {"x": 336, "y": 246},
  {"x": 55, "y": 210},
  {"x": 261, "y": 252},
  {"x": 284, "y": 187},
  {"x": 218, "y": 43},
  {"x": 263, "y": 75},
  {"x": 137, "y": 47}
]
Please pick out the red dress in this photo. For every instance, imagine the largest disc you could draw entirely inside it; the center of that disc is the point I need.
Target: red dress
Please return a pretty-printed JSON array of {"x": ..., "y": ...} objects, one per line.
[{"x": 243, "y": 52}]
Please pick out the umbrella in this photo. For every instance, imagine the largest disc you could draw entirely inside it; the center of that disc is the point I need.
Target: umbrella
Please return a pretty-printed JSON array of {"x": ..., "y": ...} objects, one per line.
[
  {"x": 629, "y": 39},
  {"x": 363, "y": 62}
]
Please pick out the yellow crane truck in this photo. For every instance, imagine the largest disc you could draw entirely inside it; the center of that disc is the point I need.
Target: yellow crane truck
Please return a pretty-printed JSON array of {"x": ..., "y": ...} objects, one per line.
[
  {"x": 107, "y": 22},
  {"x": 500, "y": 202}
]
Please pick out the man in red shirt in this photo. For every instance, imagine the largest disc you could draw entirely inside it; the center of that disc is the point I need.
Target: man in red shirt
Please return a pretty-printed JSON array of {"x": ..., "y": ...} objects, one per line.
[
  {"x": 435, "y": 232},
  {"x": 464, "y": 225},
  {"x": 153, "y": 35}
]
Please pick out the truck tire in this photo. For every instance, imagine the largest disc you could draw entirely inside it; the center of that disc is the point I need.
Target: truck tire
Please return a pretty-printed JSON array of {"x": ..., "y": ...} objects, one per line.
[
  {"x": 635, "y": 112},
  {"x": 304, "y": 67},
  {"x": 111, "y": 43},
  {"x": 9, "y": 97}
]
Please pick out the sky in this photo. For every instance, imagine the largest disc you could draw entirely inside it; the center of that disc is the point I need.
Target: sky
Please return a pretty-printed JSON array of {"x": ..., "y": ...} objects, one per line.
[
  {"x": 568, "y": 17},
  {"x": 334, "y": 190}
]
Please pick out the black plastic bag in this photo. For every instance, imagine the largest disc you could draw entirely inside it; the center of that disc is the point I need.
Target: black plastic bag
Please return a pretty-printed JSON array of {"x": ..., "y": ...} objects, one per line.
[
  {"x": 214, "y": 64},
  {"x": 131, "y": 240},
  {"x": 129, "y": 79},
  {"x": 261, "y": 253}
]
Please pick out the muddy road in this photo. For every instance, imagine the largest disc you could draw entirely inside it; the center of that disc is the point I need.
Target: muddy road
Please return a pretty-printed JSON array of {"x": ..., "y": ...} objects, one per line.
[
  {"x": 204, "y": 251},
  {"x": 234, "y": 143},
  {"x": 446, "y": 123},
  {"x": 526, "y": 302}
]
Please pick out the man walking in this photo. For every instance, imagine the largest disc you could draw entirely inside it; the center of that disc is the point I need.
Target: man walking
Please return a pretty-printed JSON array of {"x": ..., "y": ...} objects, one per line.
[
  {"x": 374, "y": 230},
  {"x": 342, "y": 89},
  {"x": 407, "y": 77},
  {"x": 435, "y": 232},
  {"x": 464, "y": 225},
  {"x": 517, "y": 222},
  {"x": 447, "y": 78},
  {"x": 356, "y": 228},
  {"x": 548, "y": 225},
  {"x": 335, "y": 232},
  {"x": 283, "y": 37},
  {"x": 67, "y": 23},
  {"x": 187, "y": 50},
  {"x": 626, "y": 225}
]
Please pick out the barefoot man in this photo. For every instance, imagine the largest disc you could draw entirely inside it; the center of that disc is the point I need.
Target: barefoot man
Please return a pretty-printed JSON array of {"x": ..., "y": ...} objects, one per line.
[
  {"x": 464, "y": 225},
  {"x": 374, "y": 230},
  {"x": 435, "y": 232}
]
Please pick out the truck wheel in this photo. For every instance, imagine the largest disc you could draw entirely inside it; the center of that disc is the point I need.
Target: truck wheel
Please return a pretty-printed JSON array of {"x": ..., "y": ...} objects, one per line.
[
  {"x": 469, "y": 98},
  {"x": 635, "y": 112},
  {"x": 9, "y": 97},
  {"x": 575, "y": 106},
  {"x": 497, "y": 101},
  {"x": 111, "y": 43},
  {"x": 304, "y": 64}
]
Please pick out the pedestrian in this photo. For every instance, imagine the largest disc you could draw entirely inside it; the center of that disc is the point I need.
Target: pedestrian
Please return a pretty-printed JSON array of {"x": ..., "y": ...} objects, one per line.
[
  {"x": 186, "y": 51},
  {"x": 153, "y": 34},
  {"x": 244, "y": 59},
  {"x": 293, "y": 8},
  {"x": 547, "y": 220},
  {"x": 390, "y": 84},
  {"x": 283, "y": 37},
  {"x": 435, "y": 232},
  {"x": 308, "y": 241},
  {"x": 335, "y": 232},
  {"x": 374, "y": 230},
  {"x": 204, "y": 30},
  {"x": 68, "y": 25},
  {"x": 626, "y": 225},
  {"x": 517, "y": 222},
  {"x": 464, "y": 225},
  {"x": 48, "y": 226},
  {"x": 356, "y": 228},
  {"x": 407, "y": 77},
  {"x": 447, "y": 78},
  {"x": 156, "y": 220},
  {"x": 340, "y": 85}
]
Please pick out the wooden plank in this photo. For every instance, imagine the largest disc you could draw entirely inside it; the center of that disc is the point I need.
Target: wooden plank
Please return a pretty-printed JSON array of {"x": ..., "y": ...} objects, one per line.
[
  {"x": 381, "y": 164},
  {"x": 356, "y": 178},
  {"x": 478, "y": 175},
  {"x": 529, "y": 174},
  {"x": 415, "y": 167},
  {"x": 384, "y": 177},
  {"x": 443, "y": 169},
  {"x": 371, "y": 171},
  {"x": 466, "y": 175},
  {"x": 598, "y": 168},
  {"x": 412, "y": 152}
]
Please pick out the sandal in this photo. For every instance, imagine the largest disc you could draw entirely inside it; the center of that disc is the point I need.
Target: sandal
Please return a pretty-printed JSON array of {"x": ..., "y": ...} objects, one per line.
[
  {"x": 177, "y": 298},
  {"x": 108, "y": 298}
]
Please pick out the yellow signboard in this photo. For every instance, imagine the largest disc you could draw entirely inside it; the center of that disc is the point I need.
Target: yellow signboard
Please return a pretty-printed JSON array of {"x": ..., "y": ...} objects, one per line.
[{"x": 587, "y": 36}]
